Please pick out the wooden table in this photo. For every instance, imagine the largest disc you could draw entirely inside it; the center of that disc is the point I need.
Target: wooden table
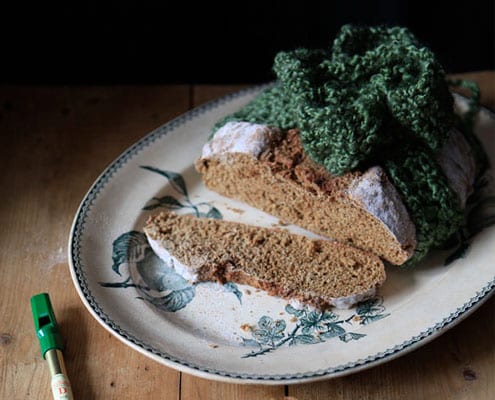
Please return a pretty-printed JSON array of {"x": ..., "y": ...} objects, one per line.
[{"x": 54, "y": 142}]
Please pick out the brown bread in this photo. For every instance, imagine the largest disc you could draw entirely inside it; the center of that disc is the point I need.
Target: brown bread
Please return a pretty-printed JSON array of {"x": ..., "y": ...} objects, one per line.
[
  {"x": 360, "y": 208},
  {"x": 293, "y": 267}
]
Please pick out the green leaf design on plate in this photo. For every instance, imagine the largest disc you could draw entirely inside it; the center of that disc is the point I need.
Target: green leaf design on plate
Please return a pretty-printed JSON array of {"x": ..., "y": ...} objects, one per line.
[
  {"x": 158, "y": 275},
  {"x": 173, "y": 301},
  {"x": 317, "y": 321},
  {"x": 348, "y": 336},
  {"x": 269, "y": 330},
  {"x": 175, "y": 179},
  {"x": 332, "y": 330},
  {"x": 367, "y": 319},
  {"x": 370, "y": 307},
  {"x": 232, "y": 288},
  {"x": 127, "y": 248},
  {"x": 370, "y": 311},
  {"x": 311, "y": 327},
  {"x": 214, "y": 213},
  {"x": 305, "y": 339},
  {"x": 250, "y": 342},
  {"x": 168, "y": 202},
  {"x": 294, "y": 311},
  {"x": 133, "y": 248}
]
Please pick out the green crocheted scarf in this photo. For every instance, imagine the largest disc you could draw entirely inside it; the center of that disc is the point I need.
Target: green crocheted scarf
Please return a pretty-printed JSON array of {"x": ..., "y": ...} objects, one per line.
[{"x": 377, "y": 97}]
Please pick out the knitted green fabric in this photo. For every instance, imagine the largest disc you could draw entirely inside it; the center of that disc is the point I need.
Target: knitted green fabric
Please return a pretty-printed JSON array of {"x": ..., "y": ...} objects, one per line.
[
  {"x": 377, "y": 97},
  {"x": 432, "y": 205}
]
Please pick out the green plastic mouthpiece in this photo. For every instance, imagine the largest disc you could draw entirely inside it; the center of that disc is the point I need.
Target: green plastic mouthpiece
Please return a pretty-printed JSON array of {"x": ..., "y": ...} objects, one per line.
[{"x": 45, "y": 323}]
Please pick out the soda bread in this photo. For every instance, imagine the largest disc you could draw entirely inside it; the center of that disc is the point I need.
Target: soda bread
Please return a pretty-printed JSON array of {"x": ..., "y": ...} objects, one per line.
[
  {"x": 269, "y": 169},
  {"x": 317, "y": 272}
]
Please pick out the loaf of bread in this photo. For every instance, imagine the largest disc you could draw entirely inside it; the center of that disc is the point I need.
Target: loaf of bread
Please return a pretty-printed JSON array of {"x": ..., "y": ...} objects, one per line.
[
  {"x": 268, "y": 169},
  {"x": 321, "y": 273}
]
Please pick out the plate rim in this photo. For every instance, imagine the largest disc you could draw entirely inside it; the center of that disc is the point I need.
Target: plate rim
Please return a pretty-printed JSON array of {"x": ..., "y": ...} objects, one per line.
[{"x": 91, "y": 303}]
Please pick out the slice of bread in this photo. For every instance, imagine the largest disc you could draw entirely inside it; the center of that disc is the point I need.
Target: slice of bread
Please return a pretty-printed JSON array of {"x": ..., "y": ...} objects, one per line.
[
  {"x": 268, "y": 169},
  {"x": 294, "y": 267}
]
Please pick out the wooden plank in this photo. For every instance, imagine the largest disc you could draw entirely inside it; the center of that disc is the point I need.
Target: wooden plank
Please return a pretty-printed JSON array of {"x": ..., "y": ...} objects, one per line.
[
  {"x": 193, "y": 388},
  {"x": 54, "y": 143},
  {"x": 203, "y": 93}
]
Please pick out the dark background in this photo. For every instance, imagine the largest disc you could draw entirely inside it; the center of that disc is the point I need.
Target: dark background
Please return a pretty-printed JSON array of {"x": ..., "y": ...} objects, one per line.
[{"x": 182, "y": 42}]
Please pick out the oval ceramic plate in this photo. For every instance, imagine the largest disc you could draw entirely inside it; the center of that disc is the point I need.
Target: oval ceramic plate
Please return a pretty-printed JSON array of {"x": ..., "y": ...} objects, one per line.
[{"x": 235, "y": 333}]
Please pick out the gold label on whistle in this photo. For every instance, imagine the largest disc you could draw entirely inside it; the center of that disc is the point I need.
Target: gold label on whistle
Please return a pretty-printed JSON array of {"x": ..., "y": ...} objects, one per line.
[{"x": 61, "y": 387}]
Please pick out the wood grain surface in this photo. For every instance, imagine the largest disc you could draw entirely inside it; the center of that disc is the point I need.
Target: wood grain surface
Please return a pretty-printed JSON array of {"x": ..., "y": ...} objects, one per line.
[{"x": 54, "y": 142}]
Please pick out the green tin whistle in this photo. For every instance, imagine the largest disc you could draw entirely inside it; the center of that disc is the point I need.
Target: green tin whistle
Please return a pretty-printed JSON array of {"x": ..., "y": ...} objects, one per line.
[
  {"x": 51, "y": 345},
  {"x": 45, "y": 324}
]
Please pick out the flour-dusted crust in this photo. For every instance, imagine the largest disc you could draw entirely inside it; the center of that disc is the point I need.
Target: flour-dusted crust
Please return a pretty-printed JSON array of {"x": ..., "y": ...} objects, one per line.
[
  {"x": 374, "y": 192},
  {"x": 240, "y": 137}
]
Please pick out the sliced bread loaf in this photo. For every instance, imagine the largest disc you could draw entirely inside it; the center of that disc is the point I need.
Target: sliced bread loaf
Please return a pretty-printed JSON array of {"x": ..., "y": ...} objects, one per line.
[
  {"x": 268, "y": 169},
  {"x": 317, "y": 272}
]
